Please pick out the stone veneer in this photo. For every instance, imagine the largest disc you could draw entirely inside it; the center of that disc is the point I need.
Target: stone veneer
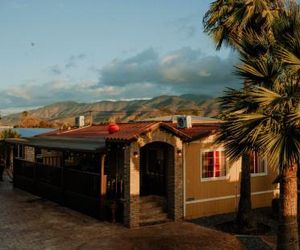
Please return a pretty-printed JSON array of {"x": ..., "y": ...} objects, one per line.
[{"x": 132, "y": 177}]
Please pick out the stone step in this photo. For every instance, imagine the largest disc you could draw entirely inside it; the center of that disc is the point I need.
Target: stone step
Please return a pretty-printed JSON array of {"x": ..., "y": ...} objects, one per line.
[
  {"x": 151, "y": 212},
  {"x": 151, "y": 198},
  {"x": 150, "y": 205},
  {"x": 152, "y": 220},
  {"x": 152, "y": 201}
]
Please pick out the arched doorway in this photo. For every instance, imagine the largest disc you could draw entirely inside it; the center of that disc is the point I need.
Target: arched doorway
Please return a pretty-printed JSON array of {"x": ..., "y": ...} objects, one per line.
[{"x": 156, "y": 162}]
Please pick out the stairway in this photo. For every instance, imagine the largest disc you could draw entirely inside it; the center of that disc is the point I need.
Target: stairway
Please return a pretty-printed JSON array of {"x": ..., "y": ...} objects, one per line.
[{"x": 152, "y": 210}]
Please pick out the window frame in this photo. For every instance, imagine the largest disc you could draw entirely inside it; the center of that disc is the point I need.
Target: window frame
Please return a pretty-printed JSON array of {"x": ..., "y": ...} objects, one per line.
[
  {"x": 219, "y": 178},
  {"x": 265, "y": 173}
]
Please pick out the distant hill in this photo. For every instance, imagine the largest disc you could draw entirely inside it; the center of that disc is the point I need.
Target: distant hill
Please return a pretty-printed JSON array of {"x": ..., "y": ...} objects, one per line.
[{"x": 65, "y": 112}]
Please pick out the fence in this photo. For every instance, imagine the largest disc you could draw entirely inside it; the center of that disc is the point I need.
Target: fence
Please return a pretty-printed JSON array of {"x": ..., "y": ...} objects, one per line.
[{"x": 79, "y": 190}]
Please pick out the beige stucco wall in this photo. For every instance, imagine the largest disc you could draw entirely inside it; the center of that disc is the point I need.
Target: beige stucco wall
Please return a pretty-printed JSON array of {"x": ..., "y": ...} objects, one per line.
[{"x": 204, "y": 198}]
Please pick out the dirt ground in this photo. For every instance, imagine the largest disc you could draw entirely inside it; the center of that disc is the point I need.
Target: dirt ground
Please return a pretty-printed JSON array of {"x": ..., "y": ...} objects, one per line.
[
  {"x": 264, "y": 238},
  {"x": 28, "y": 222}
]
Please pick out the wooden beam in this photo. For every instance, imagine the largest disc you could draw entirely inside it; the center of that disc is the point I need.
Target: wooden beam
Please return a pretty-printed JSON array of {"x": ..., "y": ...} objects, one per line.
[{"x": 103, "y": 185}]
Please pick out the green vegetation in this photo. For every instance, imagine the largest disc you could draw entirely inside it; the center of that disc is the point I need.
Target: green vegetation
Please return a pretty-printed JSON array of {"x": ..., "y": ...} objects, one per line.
[{"x": 9, "y": 133}]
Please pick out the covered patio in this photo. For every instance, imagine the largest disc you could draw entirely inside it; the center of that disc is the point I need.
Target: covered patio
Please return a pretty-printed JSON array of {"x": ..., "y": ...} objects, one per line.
[{"x": 74, "y": 172}]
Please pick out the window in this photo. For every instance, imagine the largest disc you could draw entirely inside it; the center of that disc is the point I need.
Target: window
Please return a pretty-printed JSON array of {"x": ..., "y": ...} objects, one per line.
[
  {"x": 257, "y": 164},
  {"x": 20, "y": 152},
  {"x": 213, "y": 164}
]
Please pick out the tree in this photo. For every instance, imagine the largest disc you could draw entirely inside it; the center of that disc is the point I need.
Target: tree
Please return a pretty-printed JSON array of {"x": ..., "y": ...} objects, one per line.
[
  {"x": 233, "y": 22},
  {"x": 227, "y": 20},
  {"x": 265, "y": 115},
  {"x": 9, "y": 133}
]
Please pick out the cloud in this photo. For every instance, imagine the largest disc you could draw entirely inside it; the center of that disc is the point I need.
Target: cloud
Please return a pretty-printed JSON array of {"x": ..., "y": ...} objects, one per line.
[
  {"x": 56, "y": 70},
  {"x": 188, "y": 29},
  {"x": 143, "y": 75},
  {"x": 183, "y": 70},
  {"x": 140, "y": 68},
  {"x": 53, "y": 91},
  {"x": 72, "y": 62},
  {"x": 70, "y": 65},
  {"x": 187, "y": 25}
]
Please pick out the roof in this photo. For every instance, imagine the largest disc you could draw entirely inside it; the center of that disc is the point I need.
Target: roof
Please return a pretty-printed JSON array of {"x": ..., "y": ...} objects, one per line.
[
  {"x": 131, "y": 131},
  {"x": 173, "y": 118},
  {"x": 29, "y": 132},
  {"x": 76, "y": 144},
  {"x": 198, "y": 130}
]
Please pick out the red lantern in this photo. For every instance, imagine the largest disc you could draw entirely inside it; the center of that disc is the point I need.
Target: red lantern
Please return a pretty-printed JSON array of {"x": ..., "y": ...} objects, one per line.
[{"x": 113, "y": 128}]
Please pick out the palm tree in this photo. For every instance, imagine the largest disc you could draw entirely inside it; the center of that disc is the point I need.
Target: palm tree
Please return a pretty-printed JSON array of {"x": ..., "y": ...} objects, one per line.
[
  {"x": 267, "y": 120},
  {"x": 265, "y": 115},
  {"x": 227, "y": 20},
  {"x": 235, "y": 22}
]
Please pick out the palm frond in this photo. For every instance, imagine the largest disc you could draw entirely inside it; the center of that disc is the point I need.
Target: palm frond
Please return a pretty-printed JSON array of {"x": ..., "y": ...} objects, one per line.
[
  {"x": 289, "y": 58},
  {"x": 264, "y": 96}
]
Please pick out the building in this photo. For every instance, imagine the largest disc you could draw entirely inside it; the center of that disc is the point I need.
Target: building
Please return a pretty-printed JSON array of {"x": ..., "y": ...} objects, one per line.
[{"x": 138, "y": 173}]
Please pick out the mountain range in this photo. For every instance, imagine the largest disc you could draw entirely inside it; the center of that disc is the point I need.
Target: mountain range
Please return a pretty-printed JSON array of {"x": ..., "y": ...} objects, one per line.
[{"x": 65, "y": 112}]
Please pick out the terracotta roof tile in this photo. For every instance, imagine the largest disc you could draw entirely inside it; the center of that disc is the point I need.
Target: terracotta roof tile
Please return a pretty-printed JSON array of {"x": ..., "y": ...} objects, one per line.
[
  {"x": 130, "y": 131},
  {"x": 198, "y": 130}
]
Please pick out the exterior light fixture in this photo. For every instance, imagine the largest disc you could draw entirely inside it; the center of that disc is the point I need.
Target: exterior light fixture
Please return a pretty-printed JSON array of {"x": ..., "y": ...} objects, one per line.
[
  {"x": 135, "y": 154},
  {"x": 179, "y": 153}
]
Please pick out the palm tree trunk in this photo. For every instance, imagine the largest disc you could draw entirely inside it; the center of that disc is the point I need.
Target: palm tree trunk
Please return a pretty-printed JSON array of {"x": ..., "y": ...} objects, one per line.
[
  {"x": 244, "y": 216},
  {"x": 287, "y": 235}
]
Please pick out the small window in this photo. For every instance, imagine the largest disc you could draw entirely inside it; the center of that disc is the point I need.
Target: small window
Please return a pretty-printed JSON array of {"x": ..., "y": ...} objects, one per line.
[
  {"x": 213, "y": 164},
  {"x": 20, "y": 151},
  {"x": 257, "y": 164}
]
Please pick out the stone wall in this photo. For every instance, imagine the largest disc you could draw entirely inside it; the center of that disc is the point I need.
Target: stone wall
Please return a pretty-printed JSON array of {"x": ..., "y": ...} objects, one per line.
[{"x": 131, "y": 187}]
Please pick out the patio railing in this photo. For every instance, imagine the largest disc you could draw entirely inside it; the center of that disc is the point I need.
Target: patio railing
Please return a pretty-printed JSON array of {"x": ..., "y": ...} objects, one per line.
[{"x": 79, "y": 190}]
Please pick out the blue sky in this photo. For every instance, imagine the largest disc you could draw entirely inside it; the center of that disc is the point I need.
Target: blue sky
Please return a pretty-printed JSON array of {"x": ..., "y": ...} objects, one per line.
[{"x": 85, "y": 51}]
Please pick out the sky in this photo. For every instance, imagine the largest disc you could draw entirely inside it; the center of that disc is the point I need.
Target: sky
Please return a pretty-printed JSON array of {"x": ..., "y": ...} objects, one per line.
[{"x": 93, "y": 50}]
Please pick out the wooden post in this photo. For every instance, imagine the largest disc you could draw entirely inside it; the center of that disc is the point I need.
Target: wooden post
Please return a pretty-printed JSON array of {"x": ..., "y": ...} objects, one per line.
[
  {"x": 103, "y": 180},
  {"x": 62, "y": 182}
]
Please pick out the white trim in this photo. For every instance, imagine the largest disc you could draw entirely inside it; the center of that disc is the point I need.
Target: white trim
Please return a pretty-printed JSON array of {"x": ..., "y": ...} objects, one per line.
[
  {"x": 220, "y": 178},
  {"x": 259, "y": 174},
  {"x": 226, "y": 197}
]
